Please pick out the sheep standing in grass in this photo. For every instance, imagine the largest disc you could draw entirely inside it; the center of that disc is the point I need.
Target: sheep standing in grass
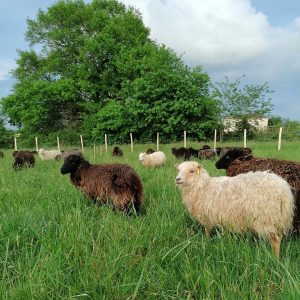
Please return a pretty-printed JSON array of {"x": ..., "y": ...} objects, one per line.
[
  {"x": 50, "y": 154},
  {"x": 118, "y": 183},
  {"x": 261, "y": 202},
  {"x": 207, "y": 154},
  {"x": 236, "y": 161},
  {"x": 117, "y": 152},
  {"x": 181, "y": 153},
  {"x": 23, "y": 158},
  {"x": 153, "y": 160}
]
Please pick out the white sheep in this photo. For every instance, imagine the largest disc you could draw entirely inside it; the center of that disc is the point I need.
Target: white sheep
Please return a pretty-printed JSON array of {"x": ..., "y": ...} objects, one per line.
[
  {"x": 50, "y": 154},
  {"x": 155, "y": 159},
  {"x": 261, "y": 202}
]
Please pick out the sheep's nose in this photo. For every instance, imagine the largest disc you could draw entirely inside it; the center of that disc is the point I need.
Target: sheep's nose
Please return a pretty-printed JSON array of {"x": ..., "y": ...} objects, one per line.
[{"x": 178, "y": 179}]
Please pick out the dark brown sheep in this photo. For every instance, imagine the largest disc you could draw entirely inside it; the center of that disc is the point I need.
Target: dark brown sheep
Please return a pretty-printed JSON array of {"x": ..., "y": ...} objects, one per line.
[
  {"x": 235, "y": 162},
  {"x": 206, "y": 147},
  {"x": 207, "y": 154},
  {"x": 116, "y": 182},
  {"x": 181, "y": 153},
  {"x": 23, "y": 158},
  {"x": 117, "y": 152},
  {"x": 246, "y": 151},
  {"x": 150, "y": 151}
]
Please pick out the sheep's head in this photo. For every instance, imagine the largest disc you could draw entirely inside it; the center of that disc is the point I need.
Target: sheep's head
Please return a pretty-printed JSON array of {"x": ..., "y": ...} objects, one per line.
[
  {"x": 41, "y": 151},
  {"x": 173, "y": 150},
  {"x": 231, "y": 155},
  {"x": 188, "y": 173},
  {"x": 71, "y": 164},
  {"x": 142, "y": 156}
]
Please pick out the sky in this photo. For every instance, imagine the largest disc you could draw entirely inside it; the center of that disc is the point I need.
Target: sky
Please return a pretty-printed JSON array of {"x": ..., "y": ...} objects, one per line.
[{"x": 256, "y": 38}]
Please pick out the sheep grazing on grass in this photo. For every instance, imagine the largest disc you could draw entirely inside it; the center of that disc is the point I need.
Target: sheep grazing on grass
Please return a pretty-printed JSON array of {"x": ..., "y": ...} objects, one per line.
[
  {"x": 181, "y": 153},
  {"x": 193, "y": 152},
  {"x": 236, "y": 162},
  {"x": 1, "y": 154},
  {"x": 261, "y": 202},
  {"x": 117, "y": 152},
  {"x": 246, "y": 151},
  {"x": 50, "y": 154},
  {"x": 118, "y": 183},
  {"x": 207, "y": 154},
  {"x": 153, "y": 160},
  {"x": 206, "y": 147},
  {"x": 149, "y": 151},
  {"x": 23, "y": 158}
]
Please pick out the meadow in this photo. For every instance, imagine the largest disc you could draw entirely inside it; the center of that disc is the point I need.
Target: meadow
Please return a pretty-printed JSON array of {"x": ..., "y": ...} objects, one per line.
[{"x": 56, "y": 244}]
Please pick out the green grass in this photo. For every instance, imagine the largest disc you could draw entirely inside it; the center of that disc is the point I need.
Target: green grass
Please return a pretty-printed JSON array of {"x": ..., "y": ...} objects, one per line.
[{"x": 56, "y": 244}]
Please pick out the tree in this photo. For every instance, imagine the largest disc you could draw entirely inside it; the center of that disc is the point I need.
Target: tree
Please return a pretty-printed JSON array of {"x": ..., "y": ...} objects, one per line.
[
  {"x": 248, "y": 101},
  {"x": 94, "y": 69}
]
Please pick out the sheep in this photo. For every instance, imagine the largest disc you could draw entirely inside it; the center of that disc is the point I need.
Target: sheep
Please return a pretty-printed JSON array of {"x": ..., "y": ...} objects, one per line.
[
  {"x": 68, "y": 152},
  {"x": 206, "y": 147},
  {"x": 207, "y": 154},
  {"x": 236, "y": 162},
  {"x": 149, "y": 151},
  {"x": 246, "y": 151},
  {"x": 23, "y": 158},
  {"x": 117, "y": 152},
  {"x": 155, "y": 159},
  {"x": 50, "y": 154},
  {"x": 1, "y": 154},
  {"x": 181, "y": 153},
  {"x": 193, "y": 152},
  {"x": 118, "y": 183},
  {"x": 261, "y": 202}
]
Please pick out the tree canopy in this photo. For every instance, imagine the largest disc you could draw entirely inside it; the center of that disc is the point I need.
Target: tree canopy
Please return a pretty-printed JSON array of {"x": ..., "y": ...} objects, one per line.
[{"x": 92, "y": 68}]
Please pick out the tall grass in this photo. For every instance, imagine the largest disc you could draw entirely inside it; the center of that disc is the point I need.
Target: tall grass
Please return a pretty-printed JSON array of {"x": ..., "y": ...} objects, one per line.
[{"x": 56, "y": 244}]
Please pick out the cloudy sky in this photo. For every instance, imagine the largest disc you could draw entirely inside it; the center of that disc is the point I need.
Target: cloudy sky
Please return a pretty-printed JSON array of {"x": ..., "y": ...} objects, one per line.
[{"x": 258, "y": 38}]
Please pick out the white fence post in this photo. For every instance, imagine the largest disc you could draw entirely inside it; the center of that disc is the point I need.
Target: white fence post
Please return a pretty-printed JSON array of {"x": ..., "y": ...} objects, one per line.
[
  {"x": 15, "y": 140},
  {"x": 131, "y": 142},
  {"x": 81, "y": 141},
  {"x": 215, "y": 140},
  {"x": 184, "y": 139},
  {"x": 58, "y": 145},
  {"x": 105, "y": 142},
  {"x": 279, "y": 138},
  {"x": 36, "y": 144},
  {"x": 245, "y": 138},
  {"x": 157, "y": 141}
]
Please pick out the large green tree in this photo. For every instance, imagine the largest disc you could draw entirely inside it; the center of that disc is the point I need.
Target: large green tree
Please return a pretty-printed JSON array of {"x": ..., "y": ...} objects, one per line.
[{"x": 93, "y": 68}]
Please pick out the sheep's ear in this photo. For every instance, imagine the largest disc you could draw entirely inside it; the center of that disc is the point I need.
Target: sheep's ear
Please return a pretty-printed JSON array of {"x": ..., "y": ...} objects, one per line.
[
  {"x": 176, "y": 166},
  {"x": 198, "y": 170}
]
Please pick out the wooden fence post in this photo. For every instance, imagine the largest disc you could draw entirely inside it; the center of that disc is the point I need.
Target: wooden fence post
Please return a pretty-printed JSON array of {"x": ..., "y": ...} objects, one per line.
[
  {"x": 279, "y": 138},
  {"x": 157, "y": 141},
  {"x": 215, "y": 140},
  {"x": 36, "y": 144},
  {"x": 15, "y": 142},
  {"x": 184, "y": 139},
  {"x": 81, "y": 141},
  {"x": 105, "y": 142},
  {"x": 245, "y": 138},
  {"x": 58, "y": 145}
]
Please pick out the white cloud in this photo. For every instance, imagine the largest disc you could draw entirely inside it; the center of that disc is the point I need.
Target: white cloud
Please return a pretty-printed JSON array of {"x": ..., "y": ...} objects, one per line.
[{"x": 228, "y": 37}]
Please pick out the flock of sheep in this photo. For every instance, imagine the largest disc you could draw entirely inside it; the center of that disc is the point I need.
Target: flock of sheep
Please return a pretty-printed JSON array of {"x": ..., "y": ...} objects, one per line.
[{"x": 258, "y": 195}]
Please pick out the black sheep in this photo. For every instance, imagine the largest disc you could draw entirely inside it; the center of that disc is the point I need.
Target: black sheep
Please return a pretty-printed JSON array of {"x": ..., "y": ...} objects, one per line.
[
  {"x": 23, "y": 158},
  {"x": 181, "y": 153},
  {"x": 117, "y": 152}
]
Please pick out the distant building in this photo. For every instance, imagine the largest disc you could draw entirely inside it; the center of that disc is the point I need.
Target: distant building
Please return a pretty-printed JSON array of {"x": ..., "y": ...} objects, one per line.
[{"x": 260, "y": 124}]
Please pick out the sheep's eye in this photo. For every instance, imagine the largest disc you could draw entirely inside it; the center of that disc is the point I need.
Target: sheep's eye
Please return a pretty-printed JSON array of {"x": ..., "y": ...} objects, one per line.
[{"x": 192, "y": 171}]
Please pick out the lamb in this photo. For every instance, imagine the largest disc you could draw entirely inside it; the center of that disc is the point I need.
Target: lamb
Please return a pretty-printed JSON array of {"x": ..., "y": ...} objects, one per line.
[
  {"x": 181, "y": 153},
  {"x": 50, "y": 154},
  {"x": 207, "y": 154},
  {"x": 153, "y": 160},
  {"x": 236, "y": 162},
  {"x": 117, "y": 152},
  {"x": 23, "y": 158},
  {"x": 118, "y": 183},
  {"x": 261, "y": 202}
]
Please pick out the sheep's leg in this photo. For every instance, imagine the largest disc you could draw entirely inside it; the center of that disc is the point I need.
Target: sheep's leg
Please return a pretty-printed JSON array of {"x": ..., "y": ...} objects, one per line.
[
  {"x": 207, "y": 231},
  {"x": 275, "y": 241}
]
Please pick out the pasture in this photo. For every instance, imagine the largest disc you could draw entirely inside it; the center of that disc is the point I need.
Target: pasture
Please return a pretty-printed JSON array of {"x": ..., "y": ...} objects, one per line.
[{"x": 56, "y": 244}]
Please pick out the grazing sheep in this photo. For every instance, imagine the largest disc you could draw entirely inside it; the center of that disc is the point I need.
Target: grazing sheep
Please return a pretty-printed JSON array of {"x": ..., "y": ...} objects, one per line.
[
  {"x": 218, "y": 150},
  {"x": 117, "y": 152},
  {"x": 68, "y": 152},
  {"x": 118, "y": 183},
  {"x": 236, "y": 162},
  {"x": 193, "y": 152},
  {"x": 155, "y": 159},
  {"x": 246, "y": 151},
  {"x": 207, "y": 154},
  {"x": 206, "y": 147},
  {"x": 23, "y": 158},
  {"x": 50, "y": 154},
  {"x": 1, "y": 154},
  {"x": 149, "y": 151},
  {"x": 261, "y": 202},
  {"x": 181, "y": 153}
]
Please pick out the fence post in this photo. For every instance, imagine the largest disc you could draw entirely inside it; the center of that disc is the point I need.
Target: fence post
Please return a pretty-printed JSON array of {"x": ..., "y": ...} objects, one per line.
[
  {"x": 36, "y": 144},
  {"x": 131, "y": 142},
  {"x": 58, "y": 145},
  {"x": 105, "y": 142},
  {"x": 184, "y": 139},
  {"x": 279, "y": 138},
  {"x": 81, "y": 141},
  {"x": 245, "y": 138},
  {"x": 15, "y": 141},
  {"x": 215, "y": 140},
  {"x": 94, "y": 151},
  {"x": 157, "y": 141}
]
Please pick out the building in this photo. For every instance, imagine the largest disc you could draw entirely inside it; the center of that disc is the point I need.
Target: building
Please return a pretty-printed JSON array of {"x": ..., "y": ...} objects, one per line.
[{"x": 260, "y": 124}]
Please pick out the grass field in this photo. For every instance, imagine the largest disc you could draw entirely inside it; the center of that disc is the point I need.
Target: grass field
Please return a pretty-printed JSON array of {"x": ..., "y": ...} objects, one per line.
[{"x": 56, "y": 244}]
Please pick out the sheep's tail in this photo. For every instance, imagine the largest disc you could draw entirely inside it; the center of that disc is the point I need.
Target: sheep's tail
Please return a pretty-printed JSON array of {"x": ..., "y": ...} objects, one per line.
[{"x": 138, "y": 192}]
